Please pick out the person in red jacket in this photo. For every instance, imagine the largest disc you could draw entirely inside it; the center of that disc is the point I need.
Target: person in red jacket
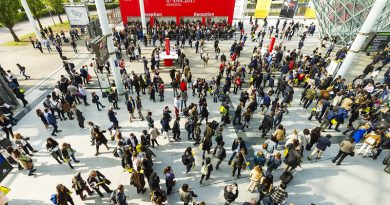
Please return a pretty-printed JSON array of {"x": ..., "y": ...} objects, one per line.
[
  {"x": 183, "y": 86},
  {"x": 237, "y": 84}
]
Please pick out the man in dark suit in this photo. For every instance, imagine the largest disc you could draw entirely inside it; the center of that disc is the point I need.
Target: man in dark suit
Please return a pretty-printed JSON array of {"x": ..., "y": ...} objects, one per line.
[{"x": 237, "y": 146}]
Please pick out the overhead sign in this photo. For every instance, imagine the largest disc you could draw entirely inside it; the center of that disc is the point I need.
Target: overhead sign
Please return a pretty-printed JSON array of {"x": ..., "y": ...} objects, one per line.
[
  {"x": 77, "y": 14},
  {"x": 380, "y": 41},
  {"x": 99, "y": 47},
  {"x": 114, "y": 16},
  {"x": 288, "y": 8},
  {"x": 178, "y": 8}
]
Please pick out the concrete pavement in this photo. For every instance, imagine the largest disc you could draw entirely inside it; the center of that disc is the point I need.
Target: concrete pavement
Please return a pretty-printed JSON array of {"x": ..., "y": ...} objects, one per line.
[{"x": 357, "y": 181}]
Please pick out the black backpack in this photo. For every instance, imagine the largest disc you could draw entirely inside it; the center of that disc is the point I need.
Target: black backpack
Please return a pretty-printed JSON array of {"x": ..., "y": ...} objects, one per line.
[{"x": 185, "y": 159}]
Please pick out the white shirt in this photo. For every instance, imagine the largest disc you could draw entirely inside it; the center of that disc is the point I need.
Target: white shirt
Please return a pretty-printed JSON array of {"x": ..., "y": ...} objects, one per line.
[{"x": 176, "y": 103}]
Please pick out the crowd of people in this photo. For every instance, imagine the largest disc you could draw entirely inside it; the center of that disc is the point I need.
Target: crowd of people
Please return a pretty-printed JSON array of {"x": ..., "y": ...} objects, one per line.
[{"x": 268, "y": 75}]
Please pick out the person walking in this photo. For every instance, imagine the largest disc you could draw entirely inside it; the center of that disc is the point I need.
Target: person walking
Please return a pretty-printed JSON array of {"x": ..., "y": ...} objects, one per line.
[
  {"x": 63, "y": 195},
  {"x": 265, "y": 186},
  {"x": 99, "y": 139},
  {"x": 79, "y": 116},
  {"x": 51, "y": 120},
  {"x": 207, "y": 168},
  {"x": 169, "y": 179},
  {"x": 130, "y": 105},
  {"x": 80, "y": 185},
  {"x": 219, "y": 153},
  {"x": 118, "y": 196},
  {"x": 6, "y": 126},
  {"x": 68, "y": 153},
  {"x": 113, "y": 120},
  {"x": 347, "y": 147},
  {"x": 188, "y": 159},
  {"x": 22, "y": 70},
  {"x": 255, "y": 176},
  {"x": 165, "y": 127},
  {"x": 238, "y": 164},
  {"x": 52, "y": 147},
  {"x": 74, "y": 46},
  {"x": 24, "y": 162},
  {"x": 230, "y": 193},
  {"x": 278, "y": 195},
  {"x": 274, "y": 162},
  {"x": 176, "y": 129},
  {"x": 97, "y": 180},
  {"x": 95, "y": 99},
  {"x": 138, "y": 180},
  {"x": 154, "y": 133},
  {"x": 322, "y": 144},
  {"x": 186, "y": 194},
  {"x": 23, "y": 142},
  {"x": 139, "y": 107}
]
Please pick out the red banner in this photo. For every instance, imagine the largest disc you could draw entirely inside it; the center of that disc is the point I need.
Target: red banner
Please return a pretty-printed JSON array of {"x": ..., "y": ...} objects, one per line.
[{"x": 178, "y": 8}]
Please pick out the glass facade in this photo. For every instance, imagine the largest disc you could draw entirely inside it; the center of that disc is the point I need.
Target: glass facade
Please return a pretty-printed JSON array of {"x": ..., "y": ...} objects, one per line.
[{"x": 342, "y": 19}]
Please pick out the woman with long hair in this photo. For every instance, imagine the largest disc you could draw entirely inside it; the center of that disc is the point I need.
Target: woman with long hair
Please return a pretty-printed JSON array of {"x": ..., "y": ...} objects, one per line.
[{"x": 42, "y": 117}]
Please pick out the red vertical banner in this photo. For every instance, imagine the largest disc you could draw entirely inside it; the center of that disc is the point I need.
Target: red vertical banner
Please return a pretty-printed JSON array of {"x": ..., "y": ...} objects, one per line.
[
  {"x": 178, "y": 20},
  {"x": 271, "y": 45},
  {"x": 203, "y": 20},
  {"x": 151, "y": 21},
  {"x": 167, "y": 46}
]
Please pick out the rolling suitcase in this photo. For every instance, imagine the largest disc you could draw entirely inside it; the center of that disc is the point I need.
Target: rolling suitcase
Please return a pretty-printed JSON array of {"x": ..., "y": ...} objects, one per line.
[{"x": 286, "y": 177}]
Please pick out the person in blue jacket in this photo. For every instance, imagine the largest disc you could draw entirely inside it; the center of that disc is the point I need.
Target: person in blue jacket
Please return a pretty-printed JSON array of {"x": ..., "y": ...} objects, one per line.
[
  {"x": 322, "y": 144},
  {"x": 51, "y": 120}
]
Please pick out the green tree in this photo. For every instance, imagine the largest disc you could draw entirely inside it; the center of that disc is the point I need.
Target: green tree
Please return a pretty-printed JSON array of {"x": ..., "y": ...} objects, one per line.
[
  {"x": 57, "y": 6},
  {"x": 36, "y": 7},
  {"x": 9, "y": 15}
]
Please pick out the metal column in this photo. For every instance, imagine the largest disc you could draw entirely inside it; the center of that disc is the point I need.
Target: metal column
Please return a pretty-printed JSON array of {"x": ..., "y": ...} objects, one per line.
[
  {"x": 102, "y": 13},
  {"x": 357, "y": 44}
]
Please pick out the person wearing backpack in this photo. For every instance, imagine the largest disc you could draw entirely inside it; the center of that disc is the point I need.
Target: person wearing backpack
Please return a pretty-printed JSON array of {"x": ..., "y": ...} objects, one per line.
[
  {"x": 238, "y": 164},
  {"x": 63, "y": 195},
  {"x": 118, "y": 196},
  {"x": 309, "y": 96},
  {"x": 169, "y": 179},
  {"x": 158, "y": 197},
  {"x": 230, "y": 193},
  {"x": 206, "y": 169},
  {"x": 187, "y": 159},
  {"x": 176, "y": 129},
  {"x": 190, "y": 127},
  {"x": 219, "y": 153}
]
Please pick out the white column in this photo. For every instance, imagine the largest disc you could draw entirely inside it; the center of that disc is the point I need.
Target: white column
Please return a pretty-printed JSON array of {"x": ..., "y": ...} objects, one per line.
[
  {"x": 357, "y": 44},
  {"x": 143, "y": 18},
  {"x": 102, "y": 13},
  {"x": 31, "y": 19},
  {"x": 71, "y": 1}
]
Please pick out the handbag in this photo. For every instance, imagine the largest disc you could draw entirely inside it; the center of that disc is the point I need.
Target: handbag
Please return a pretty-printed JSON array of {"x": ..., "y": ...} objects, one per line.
[
  {"x": 352, "y": 154},
  {"x": 201, "y": 146},
  {"x": 371, "y": 141}
]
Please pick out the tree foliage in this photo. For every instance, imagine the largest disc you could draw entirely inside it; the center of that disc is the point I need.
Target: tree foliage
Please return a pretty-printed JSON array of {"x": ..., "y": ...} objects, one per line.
[
  {"x": 36, "y": 7},
  {"x": 55, "y": 5},
  {"x": 9, "y": 14}
]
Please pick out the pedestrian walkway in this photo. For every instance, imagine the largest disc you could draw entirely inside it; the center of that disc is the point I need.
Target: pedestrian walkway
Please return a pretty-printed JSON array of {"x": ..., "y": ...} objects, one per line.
[{"x": 319, "y": 182}]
